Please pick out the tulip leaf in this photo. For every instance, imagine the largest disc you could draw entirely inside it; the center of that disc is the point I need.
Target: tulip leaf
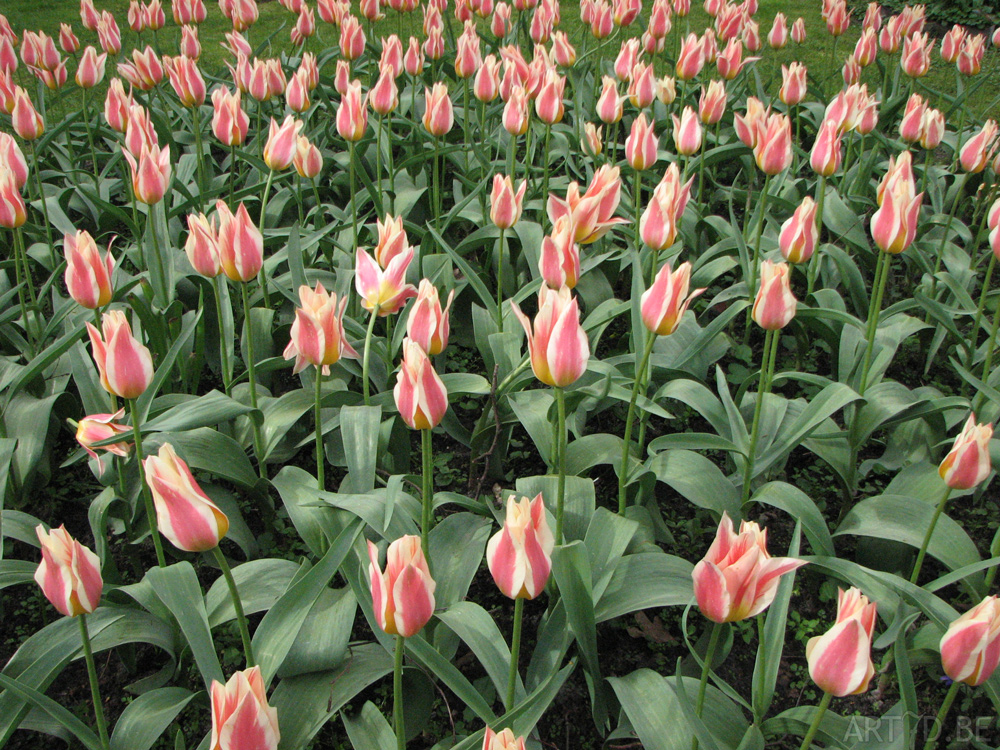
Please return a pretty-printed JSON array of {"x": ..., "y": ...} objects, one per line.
[
  {"x": 475, "y": 279},
  {"x": 698, "y": 480},
  {"x": 206, "y": 449},
  {"x": 834, "y": 730},
  {"x": 15, "y": 572},
  {"x": 359, "y": 426},
  {"x": 801, "y": 507},
  {"x": 646, "y": 581},
  {"x": 457, "y": 545},
  {"x": 191, "y": 412},
  {"x": 368, "y": 729},
  {"x": 608, "y": 537},
  {"x": 473, "y": 624},
  {"x": 260, "y": 584},
  {"x": 148, "y": 716},
  {"x": 165, "y": 366},
  {"x": 531, "y": 409},
  {"x": 425, "y": 654},
  {"x": 177, "y": 586},
  {"x": 53, "y": 709},
  {"x": 297, "y": 489}
]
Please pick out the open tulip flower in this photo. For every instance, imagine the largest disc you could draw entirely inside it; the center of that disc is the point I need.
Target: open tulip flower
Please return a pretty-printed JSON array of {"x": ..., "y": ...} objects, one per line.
[
  {"x": 101, "y": 427},
  {"x": 383, "y": 291},
  {"x": 317, "y": 335},
  {"x": 428, "y": 325},
  {"x": 593, "y": 212}
]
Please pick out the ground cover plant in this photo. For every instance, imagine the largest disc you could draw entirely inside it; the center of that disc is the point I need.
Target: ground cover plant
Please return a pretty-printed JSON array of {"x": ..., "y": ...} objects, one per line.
[{"x": 470, "y": 374}]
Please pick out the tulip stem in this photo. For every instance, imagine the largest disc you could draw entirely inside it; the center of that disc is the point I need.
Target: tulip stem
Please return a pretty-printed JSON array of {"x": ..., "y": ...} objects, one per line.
[
  {"x": 874, "y": 312},
  {"x": 157, "y": 254},
  {"x": 397, "y": 695},
  {"x": 637, "y": 207},
  {"x": 515, "y": 651},
  {"x": 990, "y": 349},
  {"x": 232, "y": 170},
  {"x": 20, "y": 293},
  {"x": 545, "y": 172},
  {"x": 378, "y": 156},
  {"x": 755, "y": 258},
  {"x": 500, "y": 255},
  {"x": 763, "y": 388},
  {"x": 937, "y": 727},
  {"x": 814, "y": 266},
  {"x": 980, "y": 308},
  {"x": 252, "y": 379},
  {"x": 263, "y": 215},
  {"x": 561, "y": 458},
  {"x": 90, "y": 137},
  {"x": 959, "y": 190},
  {"x": 427, "y": 463},
  {"x": 223, "y": 348},
  {"x": 199, "y": 151},
  {"x": 991, "y": 574},
  {"x": 318, "y": 418},
  {"x": 706, "y": 667},
  {"x": 354, "y": 203},
  {"x": 147, "y": 498},
  {"x": 915, "y": 575},
  {"x": 817, "y": 719},
  {"x": 241, "y": 618},
  {"x": 640, "y": 376},
  {"x": 436, "y": 187},
  {"x": 95, "y": 688},
  {"x": 41, "y": 197},
  {"x": 364, "y": 358}
]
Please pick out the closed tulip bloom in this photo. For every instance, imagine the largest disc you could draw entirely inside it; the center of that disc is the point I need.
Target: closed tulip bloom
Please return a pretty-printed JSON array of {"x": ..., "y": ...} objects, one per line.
[
  {"x": 592, "y": 140},
  {"x": 666, "y": 90},
  {"x": 826, "y": 152},
  {"x": 188, "y": 11},
  {"x": 748, "y": 124},
  {"x": 383, "y": 290},
  {"x": 97, "y": 427},
  {"x": 13, "y": 212},
  {"x": 505, "y": 203},
  {"x": 559, "y": 261},
  {"x": 468, "y": 56},
  {"x": 487, "y": 82},
  {"x": 794, "y": 84},
  {"x": 428, "y": 325},
  {"x": 663, "y": 305},
  {"x": 687, "y": 132},
  {"x": 186, "y": 80},
  {"x": 610, "y": 106},
  {"x": 145, "y": 70},
  {"x": 184, "y": 513},
  {"x": 352, "y": 38},
  {"x": 136, "y": 17},
  {"x": 557, "y": 345},
  {"x": 8, "y": 57},
  {"x": 866, "y": 48},
  {"x": 297, "y": 92},
  {"x": 109, "y": 36},
  {"x": 116, "y": 106},
  {"x": 910, "y": 125},
  {"x": 384, "y": 95},
  {"x": 840, "y": 660},
  {"x": 150, "y": 173},
  {"x": 838, "y": 18},
  {"x": 898, "y": 177},
  {"x": 125, "y": 365},
  {"x": 890, "y": 36},
  {"x": 916, "y": 59},
  {"x": 370, "y": 10},
  {"x": 241, "y": 245},
  {"x": 308, "y": 160},
  {"x": 155, "y": 17},
  {"x": 799, "y": 234},
  {"x": 500, "y": 23},
  {"x": 709, "y": 46},
  {"x": 729, "y": 21},
  {"x": 413, "y": 60},
  {"x": 659, "y": 222},
  {"x": 279, "y": 151},
  {"x": 88, "y": 15},
  {"x": 305, "y": 25},
  {"x": 241, "y": 716},
  {"x": 659, "y": 19},
  {"x": 433, "y": 46},
  {"x": 139, "y": 133},
  {"x": 774, "y": 306},
  {"x": 777, "y": 38},
  {"x": 403, "y": 595},
  {"x": 593, "y": 212},
  {"x": 691, "y": 58},
  {"x": 602, "y": 21},
  {"x": 69, "y": 573},
  {"x": 519, "y": 557},
  {"x": 970, "y": 57},
  {"x": 392, "y": 240},
  {"x": 932, "y": 127},
  {"x": 392, "y": 55},
  {"x": 317, "y": 335},
  {"x": 439, "y": 116},
  {"x": 712, "y": 102},
  {"x": 968, "y": 462},
  {"x": 894, "y": 224},
  {"x": 12, "y": 157},
  {"x": 642, "y": 86},
  {"x": 738, "y": 578},
  {"x": 851, "y": 71},
  {"x": 202, "y": 246},
  {"x": 562, "y": 50},
  {"x": 995, "y": 39},
  {"x": 91, "y": 69},
  {"x": 642, "y": 144},
  {"x": 516, "y": 115},
  {"x": 88, "y": 275},
  {"x": 970, "y": 649},
  {"x": 229, "y": 122},
  {"x": 190, "y": 46},
  {"x": 978, "y": 150},
  {"x": 951, "y": 43},
  {"x": 25, "y": 119},
  {"x": 798, "y": 32},
  {"x": 420, "y": 395},
  {"x": 773, "y": 151}
]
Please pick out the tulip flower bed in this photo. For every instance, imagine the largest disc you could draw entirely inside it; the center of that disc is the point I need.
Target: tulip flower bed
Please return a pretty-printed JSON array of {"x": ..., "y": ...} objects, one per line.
[{"x": 455, "y": 374}]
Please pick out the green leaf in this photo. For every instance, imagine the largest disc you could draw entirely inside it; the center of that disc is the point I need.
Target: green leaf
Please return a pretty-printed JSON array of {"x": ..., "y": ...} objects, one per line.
[
  {"x": 426, "y": 655},
  {"x": 209, "y": 410},
  {"x": 164, "y": 367},
  {"x": 148, "y": 716},
  {"x": 646, "y": 581},
  {"x": 209, "y": 450},
  {"x": 457, "y": 545},
  {"x": 360, "y": 427},
  {"x": 473, "y": 624},
  {"x": 297, "y": 489},
  {"x": 801, "y": 507},
  {"x": 369, "y": 730},
  {"x": 259, "y": 583},
  {"x": 697, "y": 479},
  {"x": 53, "y": 709}
]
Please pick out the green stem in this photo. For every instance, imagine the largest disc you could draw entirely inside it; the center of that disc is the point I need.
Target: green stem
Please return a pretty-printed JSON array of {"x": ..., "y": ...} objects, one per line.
[
  {"x": 241, "y": 618},
  {"x": 252, "y": 378},
  {"x": 500, "y": 255},
  {"x": 817, "y": 719},
  {"x": 980, "y": 309},
  {"x": 263, "y": 213},
  {"x": 199, "y": 151},
  {"x": 545, "y": 174},
  {"x": 755, "y": 261},
  {"x": 436, "y": 187},
  {"x": 958, "y": 137},
  {"x": 19, "y": 240},
  {"x": 515, "y": 650},
  {"x": 937, "y": 728},
  {"x": 944, "y": 237},
  {"x": 465, "y": 117},
  {"x": 427, "y": 515},
  {"x": 814, "y": 266},
  {"x": 927, "y": 537},
  {"x": 318, "y": 418},
  {"x": 637, "y": 207},
  {"x": 223, "y": 348},
  {"x": 232, "y": 171},
  {"x": 158, "y": 254},
  {"x": 315, "y": 191},
  {"x": 561, "y": 453},
  {"x": 41, "y": 197},
  {"x": 874, "y": 313},
  {"x": 397, "y": 695},
  {"x": 95, "y": 688},
  {"x": 991, "y": 574},
  {"x": 927, "y": 168},
  {"x": 706, "y": 667},
  {"x": 364, "y": 357},
  {"x": 392, "y": 168},
  {"x": 766, "y": 370},
  {"x": 24, "y": 281},
  {"x": 990, "y": 348},
  {"x": 147, "y": 497},
  {"x": 378, "y": 156},
  {"x": 90, "y": 138},
  {"x": 639, "y": 377}
]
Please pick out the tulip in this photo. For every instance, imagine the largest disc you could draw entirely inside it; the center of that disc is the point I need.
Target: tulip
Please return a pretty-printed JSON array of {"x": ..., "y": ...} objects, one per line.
[
  {"x": 12, "y": 157},
  {"x": 139, "y": 132},
  {"x": 562, "y": 50},
  {"x": 188, "y": 11},
  {"x": 894, "y": 224},
  {"x": 774, "y": 306},
  {"x": 88, "y": 15},
  {"x": 851, "y": 71},
  {"x": 559, "y": 261},
  {"x": 370, "y": 10},
  {"x": 710, "y": 47},
  {"x": 505, "y": 203},
  {"x": 557, "y": 345},
  {"x": 712, "y": 102},
  {"x": 136, "y": 17},
  {"x": 913, "y": 115},
  {"x": 384, "y": 95},
  {"x": 468, "y": 57},
  {"x": 738, "y": 578},
  {"x": 663, "y": 305},
  {"x": 729, "y": 21},
  {"x": 433, "y": 46},
  {"x": 392, "y": 240},
  {"x": 773, "y": 151},
  {"x": 748, "y": 125},
  {"x": 800, "y": 234},
  {"x": 25, "y": 119},
  {"x": 427, "y": 324},
  {"x": 609, "y": 105},
  {"x": 798, "y": 32},
  {"x": 317, "y": 335},
  {"x": 840, "y": 660},
  {"x": 420, "y": 396},
  {"x": 777, "y": 38},
  {"x": 666, "y": 90},
  {"x": 794, "y": 84},
  {"x": 305, "y": 25},
  {"x": 384, "y": 292},
  {"x": 592, "y": 140},
  {"x": 519, "y": 555},
  {"x": 155, "y": 17},
  {"x": 730, "y": 62},
  {"x": 67, "y": 39},
  {"x": 229, "y": 122},
  {"x": 241, "y": 716},
  {"x": 968, "y": 462},
  {"x": 186, "y": 80},
  {"x": 487, "y": 83},
  {"x": 69, "y": 573},
  {"x": 593, "y": 213},
  {"x": 951, "y": 43},
  {"x": 241, "y": 245},
  {"x": 751, "y": 36},
  {"x": 916, "y": 59},
  {"x": 308, "y": 160},
  {"x": 500, "y": 24},
  {"x": 691, "y": 58},
  {"x": 659, "y": 222},
  {"x": 979, "y": 148},
  {"x": 866, "y": 48},
  {"x": 13, "y": 212},
  {"x": 626, "y": 60},
  {"x": 642, "y": 144},
  {"x": 352, "y": 38},
  {"x": 439, "y": 116},
  {"x": 549, "y": 102},
  {"x": 88, "y": 276},
  {"x": 602, "y": 22},
  {"x": 932, "y": 128},
  {"x": 108, "y": 34},
  {"x": 838, "y": 18},
  {"x": 125, "y": 365},
  {"x": 402, "y": 596},
  {"x": 8, "y": 58},
  {"x": 97, "y": 427},
  {"x": 826, "y": 151},
  {"x": 297, "y": 92},
  {"x": 502, "y": 740},
  {"x": 413, "y": 60},
  {"x": 970, "y": 57},
  {"x": 687, "y": 132},
  {"x": 150, "y": 173},
  {"x": 202, "y": 246},
  {"x": 970, "y": 649},
  {"x": 91, "y": 69}
]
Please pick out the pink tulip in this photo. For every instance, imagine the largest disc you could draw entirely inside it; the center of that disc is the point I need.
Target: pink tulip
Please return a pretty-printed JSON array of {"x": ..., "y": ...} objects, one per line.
[
  {"x": 413, "y": 59},
  {"x": 690, "y": 59},
  {"x": 799, "y": 234},
  {"x": 150, "y": 173},
  {"x": 730, "y": 61},
  {"x": 794, "y": 84},
  {"x": 826, "y": 151},
  {"x": 139, "y": 133},
  {"x": 894, "y": 224},
  {"x": 8, "y": 57},
  {"x": 951, "y": 43},
  {"x": 774, "y": 306},
  {"x": 916, "y": 59},
  {"x": 97, "y": 427},
  {"x": 549, "y": 102},
  {"x": 712, "y": 102},
  {"x": 659, "y": 222},
  {"x": 557, "y": 344},
  {"x": 108, "y": 34},
  {"x": 297, "y": 93},
  {"x": 420, "y": 396},
  {"x": 117, "y": 105},
  {"x": 840, "y": 660},
  {"x": 500, "y": 23},
  {"x": 505, "y": 203},
  {"x": 663, "y": 305},
  {"x": 12, "y": 157},
  {"x": 317, "y": 335},
  {"x": 748, "y": 125},
  {"x": 241, "y": 245},
  {"x": 487, "y": 83},
  {"x": 392, "y": 240},
  {"x": 25, "y": 119},
  {"x": 67, "y": 39},
  {"x": 402, "y": 596},
  {"x": 642, "y": 144},
  {"x": 305, "y": 25},
  {"x": 970, "y": 649},
  {"x": 519, "y": 556},
  {"x": 773, "y": 151},
  {"x": 851, "y": 71},
  {"x": 602, "y": 22},
  {"x": 186, "y": 80},
  {"x": 136, "y": 17},
  {"x": 559, "y": 261},
  {"x": 308, "y": 160},
  {"x": 428, "y": 325},
  {"x": 88, "y": 15},
  {"x": 229, "y": 122},
  {"x": 913, "y": 115},
  {"x": 970, "y": 57},
  {"x": 626, "y": 60},
  {"x": 798, "y": 32},
  {"x": 69, "y": 573},
  {"x": 610, "y": 106},
  {"x": 979, "y": 148},
  {"x": 502, "y": 740},
  {"x": 439, "y": 116},
  {"x": 279, "y": 151},
  {"x": 383, "y": 291},
  {"x": 592, "y": 139},
  {"x": 202, "y": 246},
  {"x": 384, "y": 95},
  {"x": 866, "y": 48},
  {"x": 687, "y": 132},
  {"x": 777, "y": 38},
  {"x": 592, "y": 213},
  {"x": 189, "y": 46},
  {"x": 125, "y": 365},
  {"x": 155, "y": 17},
  {"x": 352, "y": 38},
  {"x": 13, "y": 212},
  {"x": 184, "y": 513},
  {"x": 837, "y": 17},
  {"x": 642, "y": 86},
  {"x": 188, "y": 11},
  {"x": 91, "y": 69},
  {"x": 738, "y": 578},
  {"x": 88, "y": 275},
  {"x": 241, "y": 716},
  {"x": 968, "y": 462}
]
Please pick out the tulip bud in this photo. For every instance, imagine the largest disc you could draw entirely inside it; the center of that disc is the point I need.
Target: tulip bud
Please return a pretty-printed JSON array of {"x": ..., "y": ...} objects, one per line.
[
  {"x": 13, "y": 212},
  {"x": 609, "y": 105},
  {"x": 916, "y": 59},
  {"x": 108, "y": 34},
  {"x": 88, "y": 275},
  {"x": 12, "y": 157},
  {"x": 777, "y": 38},
  {"x": 909, "y": 126},
  {"x": 968, "y": 462},
  {"x": 979, "y": 148},
  {"x": 932, "y": 127},
  {"x": 317, "y": 337},
  {"x": 413, "y": 60},
  {"x": 593, "y": 213},
  {"x": 687, "y": 132},
  {"x": 241, "y": 716},
  {"x": 125, "y": 365},
  {"x": 150, "y": 173},
  {"x": 241, "y": 245},
  {"x": 428, "y": 325},
  {"x": 229, "y": 122},
  {"x": 279, "y": 151},
  {"x": 505, "y": 203},
  {"x": 402, "y": 596},
  {"x": 392, "y": 240},
  {"x": 184, "y": 513},
  {"x": 549, "y": 102},
  {"x": 663, "y": 305},
  {"x": 799, "y": 234},
  {"x": 557, "y": 344},
  {"x": 439, "y": 116},
  {"x": 519, "y": 556},
  {"x": 592, "y": 142},
  {"x": 840, "y": 660},
  {"x": 25, "y": 119},
  {"x": 69, "y": 573},
  {"x": 970, "y": 649},
  {"x": 659, "y": 222},
  {"x": 642, "y": 144},
  {"x": 794, "y": 84},
  {"x": 186, "y": 80},
  {"x": 952, "y": 43},
  {"x": 712, "y": 102},
  {"x": 826, "y": 151},
  {"x": 690, "y": 59},
  {"x": 773, "y": 150},
  {"x": 774, "y": 306},
  {"x": 559, "y": 262}
]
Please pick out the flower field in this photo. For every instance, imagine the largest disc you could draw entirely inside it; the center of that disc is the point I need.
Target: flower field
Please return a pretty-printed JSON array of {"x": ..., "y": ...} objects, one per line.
[{"x": 459, "y": 374}]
